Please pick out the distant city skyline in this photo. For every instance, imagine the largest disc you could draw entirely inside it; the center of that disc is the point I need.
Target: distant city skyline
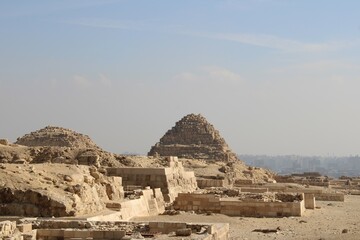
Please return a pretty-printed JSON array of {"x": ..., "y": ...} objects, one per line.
[{"x": 275, "y": 77}]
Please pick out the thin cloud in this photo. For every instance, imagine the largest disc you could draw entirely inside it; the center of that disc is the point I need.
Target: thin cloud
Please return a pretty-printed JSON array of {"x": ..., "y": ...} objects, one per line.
[
  {"x": 318, "y": 66},
  {"x": 258, "y": 40},
  {"x": 222, "y": 74},
  {"x": 275, "y": 42}
]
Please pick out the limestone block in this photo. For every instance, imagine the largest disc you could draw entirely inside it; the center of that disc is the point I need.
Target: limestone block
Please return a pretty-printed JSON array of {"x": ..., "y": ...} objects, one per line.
[
  {"x": 309, "y": 201},
  {"x": 25, "y": 227}
]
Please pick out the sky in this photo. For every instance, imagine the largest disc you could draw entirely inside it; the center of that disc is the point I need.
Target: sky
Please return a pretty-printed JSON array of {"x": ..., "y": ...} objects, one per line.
[{"x": 273, "y": 76}]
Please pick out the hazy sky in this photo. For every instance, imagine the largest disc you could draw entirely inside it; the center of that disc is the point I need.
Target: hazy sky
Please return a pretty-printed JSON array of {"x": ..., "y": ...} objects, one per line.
[{"x": 273, "y": 76}]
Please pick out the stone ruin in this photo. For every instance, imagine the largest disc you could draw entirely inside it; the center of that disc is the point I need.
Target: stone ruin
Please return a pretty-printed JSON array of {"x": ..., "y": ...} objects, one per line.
[
  {"x": 193, "y": 137},
  {"x": 172, "y": 179},
  {"x": 243, "y": 204},
  {"x": 30, "y": 229},
  {"x": 56, "y": 136},
  {"x": 56, "y": 145},
  {"x": 63, "y": 190}
]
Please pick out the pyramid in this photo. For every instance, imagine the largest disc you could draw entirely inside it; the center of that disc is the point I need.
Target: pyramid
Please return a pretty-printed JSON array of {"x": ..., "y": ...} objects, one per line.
[
  {"x": 51, "y": 136},
  {"x": 193, "y": 137}
]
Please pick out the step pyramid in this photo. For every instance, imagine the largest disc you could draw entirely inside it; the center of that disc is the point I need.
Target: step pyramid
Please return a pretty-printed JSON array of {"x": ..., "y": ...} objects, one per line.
[{"x": 193, "y": 137}]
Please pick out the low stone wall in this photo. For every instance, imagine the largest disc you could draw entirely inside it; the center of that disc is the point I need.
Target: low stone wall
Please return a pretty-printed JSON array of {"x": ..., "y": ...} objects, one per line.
[
  {"x": 319, "y": 194},
  {"x": 232, "y": 207},
  {"x": 262, "y": 209},
  {"x": 239, "y": 182},
  {"x": 67, "y": 234},
  {"x": 313, "y": 179},
  {"x": 339, "y": 197},
  {"x": 207, "y": 183},
  {"x": 197, "y": 202},
  {"x": 117, "y": 230}
]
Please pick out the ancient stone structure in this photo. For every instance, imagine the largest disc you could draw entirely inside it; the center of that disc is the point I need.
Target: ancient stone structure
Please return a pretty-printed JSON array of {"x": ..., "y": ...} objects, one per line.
[
  {"x": 56, "y": 136},
  {"x": 114, "y": 230},
  {"x": 172, "y": 179},
  {"x": 76, "y": 190},
  {"x": 193, "y": 137},
  {"x": 250, "y": 206}
]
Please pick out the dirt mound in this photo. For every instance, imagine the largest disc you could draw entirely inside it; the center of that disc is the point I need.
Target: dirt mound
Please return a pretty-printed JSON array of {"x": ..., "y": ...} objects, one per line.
[
  {"x": 51, "y": 136},
  {"x": 193, "y": 137}
]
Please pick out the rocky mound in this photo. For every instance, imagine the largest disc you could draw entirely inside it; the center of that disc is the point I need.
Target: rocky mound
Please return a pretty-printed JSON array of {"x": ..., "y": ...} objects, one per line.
[
  {"x": 55, "y": 190},
  {"x": 51, "y": 136},
  {"x": 57, "y": 145},
  {"x": 193, "y": 137}
]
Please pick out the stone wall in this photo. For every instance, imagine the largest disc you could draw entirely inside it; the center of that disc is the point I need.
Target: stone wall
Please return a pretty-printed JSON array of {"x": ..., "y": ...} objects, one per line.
[
  {"x": 67, "y": 234},
  {"x": 234, "y": 207},
  {"x": 150, "y": 203},
  {"x": 311, "y": 179},
  {"x": 171, "y": 180},
  {"x": 340, "y": 197},
  {"x": 197, "y": 202},
  {"x": 320, "y": 194},
  {"x": 262, "y": 209},
  {"x": 117, "y": 230},
  {"x": 207, "y": 183}
]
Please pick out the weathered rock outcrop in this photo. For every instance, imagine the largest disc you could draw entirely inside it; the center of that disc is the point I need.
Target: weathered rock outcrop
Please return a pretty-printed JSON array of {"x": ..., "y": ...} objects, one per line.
[
  {"x": 193, "y": 137},
  {"x": 55, "y": 190}
]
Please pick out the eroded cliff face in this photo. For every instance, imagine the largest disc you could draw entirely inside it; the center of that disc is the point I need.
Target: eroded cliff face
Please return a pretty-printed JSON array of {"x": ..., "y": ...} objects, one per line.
[
  {"x": 55, "y": 190},
  {"x": 193, "y": 137}
]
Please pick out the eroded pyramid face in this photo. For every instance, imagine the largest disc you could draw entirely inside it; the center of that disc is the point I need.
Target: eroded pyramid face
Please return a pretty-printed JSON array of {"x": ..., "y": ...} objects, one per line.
[
  {"x": 56, "y": 137},
  {"x": 193, "y": 137}
]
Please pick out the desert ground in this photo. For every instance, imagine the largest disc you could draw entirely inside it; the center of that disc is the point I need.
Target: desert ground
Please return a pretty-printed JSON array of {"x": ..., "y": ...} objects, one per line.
[{"x": 331, "y": 220}]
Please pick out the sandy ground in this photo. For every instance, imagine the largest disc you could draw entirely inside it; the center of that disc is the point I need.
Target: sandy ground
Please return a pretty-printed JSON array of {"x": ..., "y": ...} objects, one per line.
[{"x": 327, "y": 222}]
